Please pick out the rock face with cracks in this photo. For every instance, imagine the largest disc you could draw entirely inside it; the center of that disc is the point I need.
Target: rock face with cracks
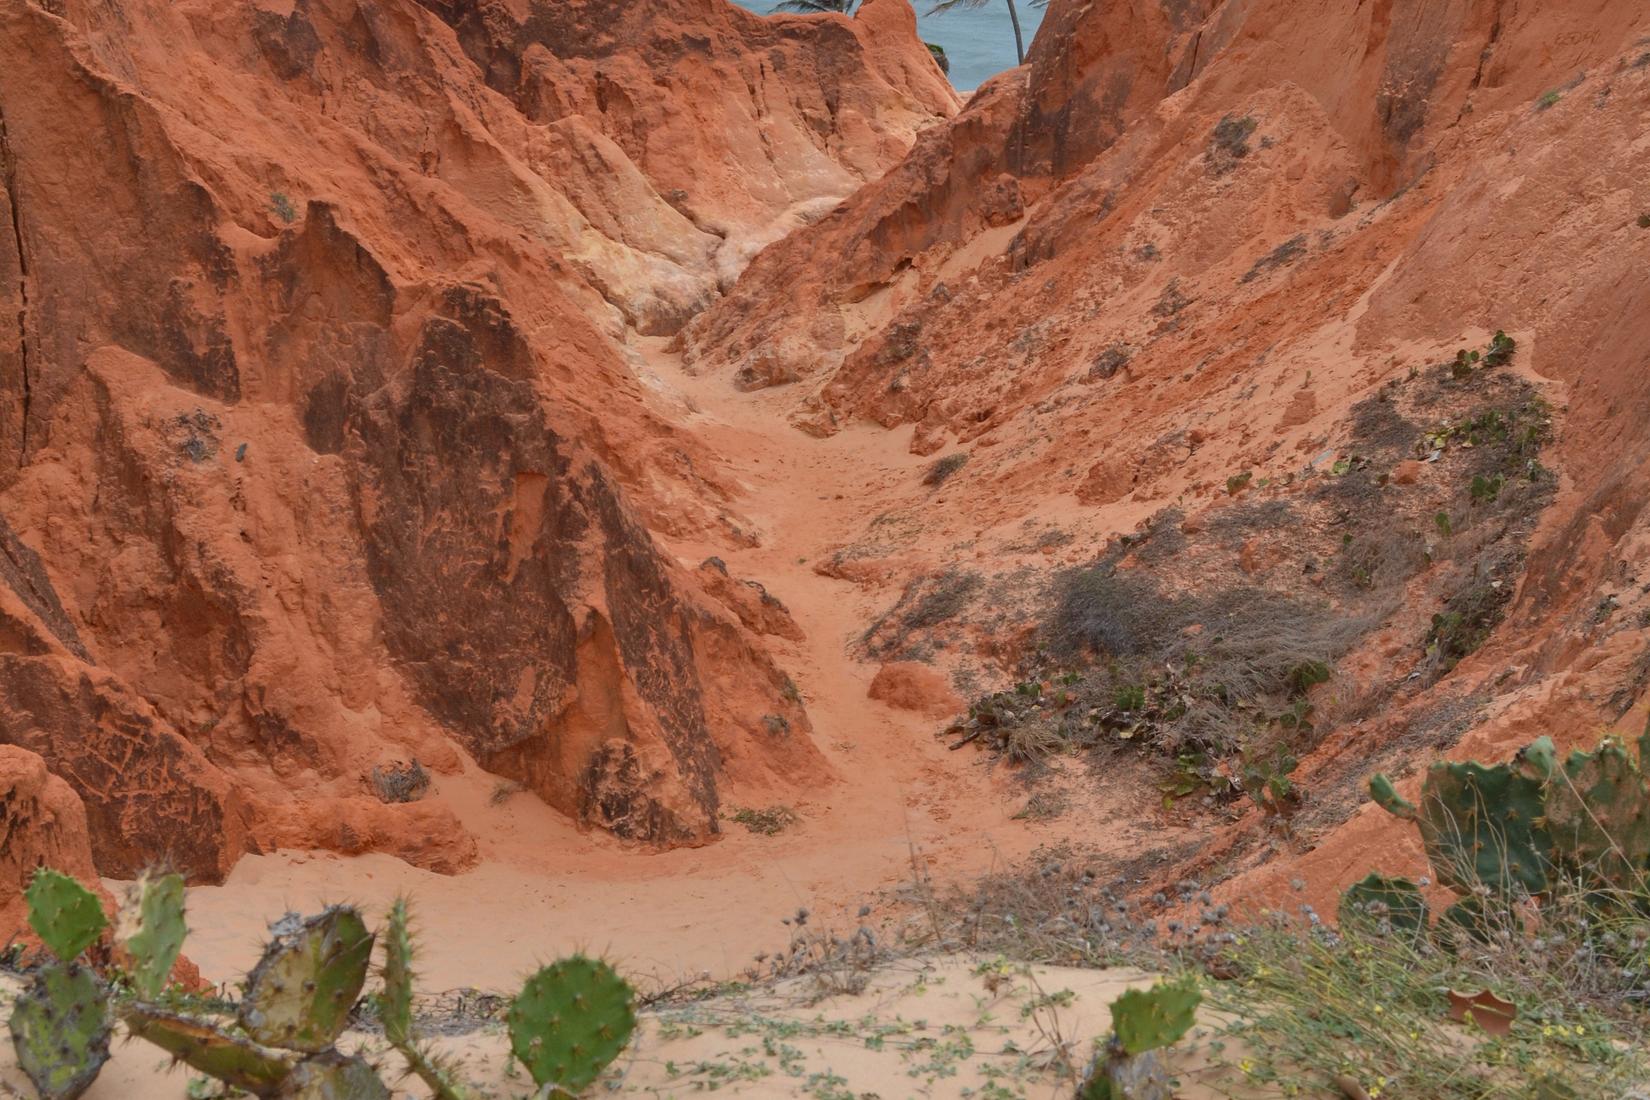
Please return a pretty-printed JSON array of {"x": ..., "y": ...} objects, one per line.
[{"x": 317, "y": 444}]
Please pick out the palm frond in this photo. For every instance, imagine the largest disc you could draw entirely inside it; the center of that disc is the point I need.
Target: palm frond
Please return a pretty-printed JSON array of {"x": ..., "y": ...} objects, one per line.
[{"x": 814, "y": 7}]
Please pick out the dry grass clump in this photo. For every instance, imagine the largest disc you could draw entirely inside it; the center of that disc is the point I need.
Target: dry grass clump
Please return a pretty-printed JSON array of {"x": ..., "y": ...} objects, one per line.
[
  {"x": 1197, "y": 672},
  {"x": 838, "y": 964},
  {"x": 927, "y": 602},
  {"x": 398, "y": 782},
  {"x": 1318, "y": 1011},
  {"x": 766, "y": 822},
  {"x": 943, "y": 468}
]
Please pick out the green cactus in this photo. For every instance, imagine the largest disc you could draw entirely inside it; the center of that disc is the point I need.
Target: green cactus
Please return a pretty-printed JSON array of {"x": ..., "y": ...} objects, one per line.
[
  {"x": 300, "y": 994},
  {"x": 1387, "y": 798},
  {"x": 1484, "y": 825},
  {"x": 229, "y": 1058},
  {"x": 66, "y": 916},
  {"x": 154, "y": 919},
  {"x": 1378, "y": 900},
  {"x": 395, "y": 1009},
  {"x": 334, "y": 1076},
  {"x": 60, "y": 1026},
  {"x": 395, "y": 1003},
  {"x": 1143, "y": 1020},
  {"x": 1598, "y": 815},
  {"x": 569, "y": 1021}
]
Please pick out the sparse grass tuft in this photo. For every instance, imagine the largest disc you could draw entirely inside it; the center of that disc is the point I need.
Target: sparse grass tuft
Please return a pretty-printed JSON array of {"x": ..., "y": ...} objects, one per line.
[
  {"x": 1229, "y": 143},
  {"x": 1316, "y": 1010},
  {"x": 769, "y": 822},
  {"x": 942, "y": 469},
  {"x": 282, "y": 207}
]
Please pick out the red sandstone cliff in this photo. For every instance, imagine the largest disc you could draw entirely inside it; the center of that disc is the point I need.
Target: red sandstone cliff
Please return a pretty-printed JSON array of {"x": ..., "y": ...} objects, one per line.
[
  {"x": 317, "y": 449},
  {"x": 1187, "y": 243}
]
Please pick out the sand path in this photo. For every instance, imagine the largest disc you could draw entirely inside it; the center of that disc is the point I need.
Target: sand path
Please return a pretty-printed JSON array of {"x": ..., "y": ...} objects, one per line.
[{"x": 543, "y": 887}]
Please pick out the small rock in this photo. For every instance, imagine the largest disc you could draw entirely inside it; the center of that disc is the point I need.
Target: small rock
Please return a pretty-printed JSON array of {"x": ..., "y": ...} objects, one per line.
[{"x": 1407, "y": 472}]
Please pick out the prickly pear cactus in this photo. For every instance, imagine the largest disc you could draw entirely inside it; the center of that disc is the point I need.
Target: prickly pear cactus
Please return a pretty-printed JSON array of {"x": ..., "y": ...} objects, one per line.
[
  {"x": 300, "y": 994},
  {"x": 228, "y": 1058},
  {"x": 1598, "y": 815},
  {"x": 1143, "y": 1020},
  {"x": 1382, "y": 903},
  {"x": 395, "y": 1008},
  {"x": 395, "y": 1003},
  {"x": 60, "y": 1029},
  {"x": 1484, "y": 825},
  {"x": 570, "y": 1020},
  {"x": 333, "y": 1076},
  {"x": 66, "y": 916},
  {"x": 152, "y": 928},
  {"x": 1387, "y": 798}
]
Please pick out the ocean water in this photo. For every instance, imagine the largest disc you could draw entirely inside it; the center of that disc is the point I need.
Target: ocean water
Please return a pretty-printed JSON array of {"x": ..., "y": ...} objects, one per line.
[{"x": 979, "y": 41}]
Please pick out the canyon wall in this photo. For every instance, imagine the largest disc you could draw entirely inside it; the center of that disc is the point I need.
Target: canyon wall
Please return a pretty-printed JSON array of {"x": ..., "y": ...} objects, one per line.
[
  {"x": 318, "y": 449},
  {"x": 1177, "y": 269}
]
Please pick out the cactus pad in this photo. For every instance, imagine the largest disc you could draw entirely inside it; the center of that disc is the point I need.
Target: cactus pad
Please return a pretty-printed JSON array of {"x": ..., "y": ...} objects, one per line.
[
  {"x": 570, "y": 1020},
  {"x": 395, "y": 1008},
  {"x": 395, "y": 1003},
  {"x": 1484, "y": 825},
  {"x": 60, "y": 1029},
  {"x": 66, "y": 916},
  {"x": 1387, "y": 798},
  {"x": 333, "y": 1076},
  {"x": 1378, "y": 901},
  {"x": 153, "y": 930},
  {"x": 228, "y": 1058},
  {"x": 1143, "y": 1020},
  {"x": 300, "y": 994},
  {"x": 1598, "y": 814}
]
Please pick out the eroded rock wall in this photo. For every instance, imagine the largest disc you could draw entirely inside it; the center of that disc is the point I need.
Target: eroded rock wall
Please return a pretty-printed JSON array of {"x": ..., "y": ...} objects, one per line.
[
  {"x": 318, "y": 449},
  {"x": 1165, "y": 263}
]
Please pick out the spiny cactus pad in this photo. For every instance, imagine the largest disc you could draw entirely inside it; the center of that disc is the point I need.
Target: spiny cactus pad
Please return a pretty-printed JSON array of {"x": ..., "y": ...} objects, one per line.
[
  {"x": 1380, "y": 902},
  {"x": 1483, "y": 825},
  {"x": 1387, "y": 798},
  {"x": 66, "y": 916},
  {"x": 1598, "y": 815},
  {"x": 570, "y": 1020},
  {"x": 333, "y": 1076},
  {"x": 228, "y": 1058},
  {"x": 300, "y": 994},
  {"x": 395, "y": 1008},
  {"x": 153, "y": 930},
  {"x": 60, "y": 1030},
  {"x": 1148, "y": 1019},
  {"x": 395, "y": 1003}
]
